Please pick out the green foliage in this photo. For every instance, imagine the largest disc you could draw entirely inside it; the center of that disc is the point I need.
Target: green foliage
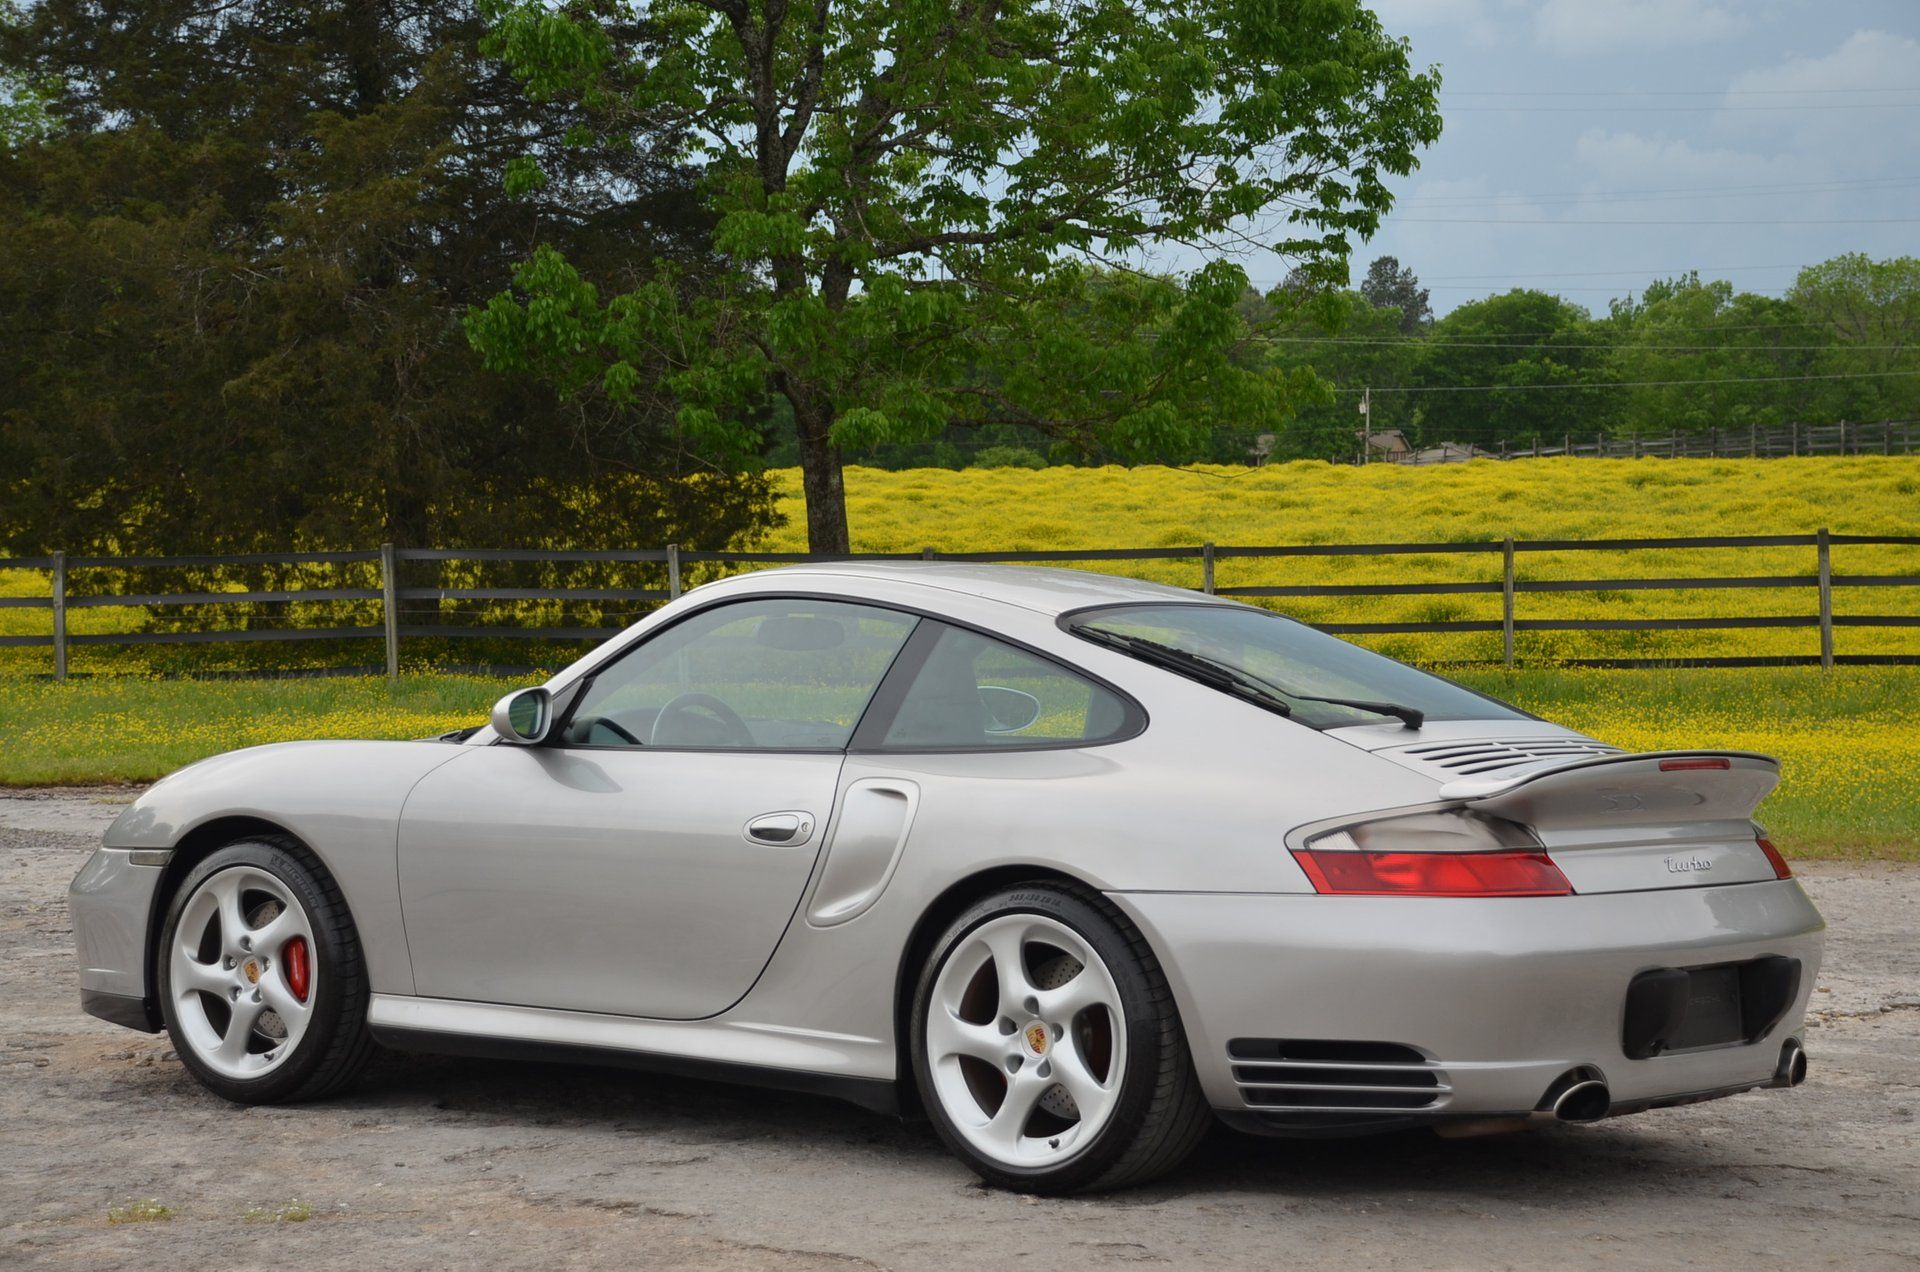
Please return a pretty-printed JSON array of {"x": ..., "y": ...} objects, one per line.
[
  {"x": 904, "y": 193},
  {"x": 1521, "y": 338},
  {"x": 234, "y": 269},
  {"x": 1008, "y": 457}
]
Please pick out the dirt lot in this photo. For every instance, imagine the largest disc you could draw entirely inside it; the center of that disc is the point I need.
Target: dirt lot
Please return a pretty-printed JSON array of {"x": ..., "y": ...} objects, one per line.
[{"x": 441, "y": 1162}]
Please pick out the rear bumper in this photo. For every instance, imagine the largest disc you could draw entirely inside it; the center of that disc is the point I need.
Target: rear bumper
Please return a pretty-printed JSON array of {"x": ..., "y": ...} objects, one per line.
[{"x": 1490, "y": 1001}]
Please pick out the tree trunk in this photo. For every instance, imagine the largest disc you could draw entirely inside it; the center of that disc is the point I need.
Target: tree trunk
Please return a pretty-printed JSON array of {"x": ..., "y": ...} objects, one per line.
[{"x": 821, "y": 480}]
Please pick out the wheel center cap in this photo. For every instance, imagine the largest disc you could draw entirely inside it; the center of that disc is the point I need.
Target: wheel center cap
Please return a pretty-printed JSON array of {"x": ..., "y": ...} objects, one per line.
[
  {"x": 1037, "y": 1039},
  {"x": 251, "y": 969}
]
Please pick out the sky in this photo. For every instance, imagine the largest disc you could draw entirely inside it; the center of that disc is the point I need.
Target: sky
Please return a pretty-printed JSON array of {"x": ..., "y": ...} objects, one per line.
[{"x": 1591, "y": 145}]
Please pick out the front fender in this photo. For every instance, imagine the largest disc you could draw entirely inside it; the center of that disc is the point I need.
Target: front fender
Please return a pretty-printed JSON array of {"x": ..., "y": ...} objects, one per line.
[{"x": 341, "y": 799}]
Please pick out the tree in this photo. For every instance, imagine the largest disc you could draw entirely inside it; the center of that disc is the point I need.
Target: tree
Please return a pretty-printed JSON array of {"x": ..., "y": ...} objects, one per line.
[
  {"x": 1481, "y": 360},
  {"x": 905, "y": 191},
  {"x": 234, "y": 270},
  {"x": 1871, "y": 309},
  {"x": 1389, "y": 285},
  {"x": 1682, "y": 329},
  {"x": 1351, "y": 346}
]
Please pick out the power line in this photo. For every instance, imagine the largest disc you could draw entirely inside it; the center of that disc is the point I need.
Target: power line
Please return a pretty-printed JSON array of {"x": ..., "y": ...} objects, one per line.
[
  {"x": 1443, "y": 343},
  {"x": 1673, "y": 195},
  {"x": 1669, "y": 92},
  {"x": 1609, "y": 273},
  {"x": 1680, "y": 107},
  {"x": 1429, "y": 220},
  {"x": 1632, "y": 384}
]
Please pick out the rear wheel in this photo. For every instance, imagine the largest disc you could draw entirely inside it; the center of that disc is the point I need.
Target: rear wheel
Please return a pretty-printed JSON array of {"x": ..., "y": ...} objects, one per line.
[
  {"x": 262, "y": 985},
  {"x": 1047, "y": 1047}
]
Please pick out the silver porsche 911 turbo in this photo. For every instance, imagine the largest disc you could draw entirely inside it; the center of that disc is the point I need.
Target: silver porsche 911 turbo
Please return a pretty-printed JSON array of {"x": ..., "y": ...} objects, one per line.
[{"x": 1073, "y": 864}]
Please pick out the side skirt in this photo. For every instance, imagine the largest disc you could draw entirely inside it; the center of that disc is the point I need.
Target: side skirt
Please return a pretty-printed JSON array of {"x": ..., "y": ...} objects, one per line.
[{"x": 439, "y": 1027}]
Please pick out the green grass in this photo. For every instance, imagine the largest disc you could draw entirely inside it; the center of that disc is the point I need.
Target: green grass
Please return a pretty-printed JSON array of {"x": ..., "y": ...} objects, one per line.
[{"x": 1849, "y": 739}]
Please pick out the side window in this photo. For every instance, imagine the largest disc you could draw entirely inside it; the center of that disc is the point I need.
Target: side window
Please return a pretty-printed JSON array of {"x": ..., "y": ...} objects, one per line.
[
  {"x": 974, "y": 692},
  {"x": 760, "y": 675}
]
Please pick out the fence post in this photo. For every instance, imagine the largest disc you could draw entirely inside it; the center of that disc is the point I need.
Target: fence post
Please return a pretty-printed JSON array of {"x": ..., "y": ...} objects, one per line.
[
  {"x": 1206, "y": 568},
  {"x": 390, "y": 607},
  {"x": 673, "y": 571},
  {"x": 59, "y": 583},
  {"x": 1826, "y": 598},
  {"x": 1506, "y": 601},
  {"x": 1793, "y": 440},
  {"x": 926, "y": 554}
]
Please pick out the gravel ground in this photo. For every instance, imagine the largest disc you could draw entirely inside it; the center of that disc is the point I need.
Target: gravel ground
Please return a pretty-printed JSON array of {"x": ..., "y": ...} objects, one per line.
[{"x": 436, "y": 1162}]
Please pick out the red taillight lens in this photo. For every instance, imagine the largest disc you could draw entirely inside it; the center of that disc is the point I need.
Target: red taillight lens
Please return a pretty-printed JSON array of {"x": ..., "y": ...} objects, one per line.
[
  {"x": 1781, "y": 870},
  {"x": 1433, "y": 874}
]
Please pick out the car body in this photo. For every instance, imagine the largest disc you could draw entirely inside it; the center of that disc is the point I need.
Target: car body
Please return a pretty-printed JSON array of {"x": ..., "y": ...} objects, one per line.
[{"x": 764, "y": 910}]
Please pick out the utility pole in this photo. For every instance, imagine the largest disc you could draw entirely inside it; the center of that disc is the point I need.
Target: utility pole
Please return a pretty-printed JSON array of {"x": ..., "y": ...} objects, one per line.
[{"x": 1366, "y": 424}]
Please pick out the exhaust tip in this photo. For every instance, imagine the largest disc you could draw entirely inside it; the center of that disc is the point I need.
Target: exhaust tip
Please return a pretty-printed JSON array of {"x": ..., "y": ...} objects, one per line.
[
  {"x": 1792, "y": 1069},
  {"x": 1586, "y": 1101}
]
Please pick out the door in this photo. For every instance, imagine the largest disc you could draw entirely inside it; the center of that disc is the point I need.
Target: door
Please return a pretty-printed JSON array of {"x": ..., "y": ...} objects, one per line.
[{"x": 647, "y": 861}]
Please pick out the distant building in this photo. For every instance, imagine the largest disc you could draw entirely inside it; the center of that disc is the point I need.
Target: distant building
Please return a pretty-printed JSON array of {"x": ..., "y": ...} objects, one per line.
[{"x": 1390, "y": 445}]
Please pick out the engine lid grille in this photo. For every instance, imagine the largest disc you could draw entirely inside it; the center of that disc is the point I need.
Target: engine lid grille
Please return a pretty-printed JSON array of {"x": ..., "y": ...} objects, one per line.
[{"x": 1472, "y": 756}]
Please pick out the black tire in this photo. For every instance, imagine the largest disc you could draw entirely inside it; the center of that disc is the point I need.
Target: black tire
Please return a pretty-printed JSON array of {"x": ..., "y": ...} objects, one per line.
[
  {"x": 1160, "y": 1115},
  {"x": 337, "y": 1043}
]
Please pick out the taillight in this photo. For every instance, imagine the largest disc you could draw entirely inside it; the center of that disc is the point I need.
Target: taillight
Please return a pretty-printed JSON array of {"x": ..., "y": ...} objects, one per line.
[
  {"x": 1687, "y": 766},
  {"x": 1781, "y": 870},
  {"x": 1432, "y": 874}
]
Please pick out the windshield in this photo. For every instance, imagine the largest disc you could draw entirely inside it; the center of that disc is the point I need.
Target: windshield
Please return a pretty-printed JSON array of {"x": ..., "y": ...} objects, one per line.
[{"x": 1301, "y": 666}]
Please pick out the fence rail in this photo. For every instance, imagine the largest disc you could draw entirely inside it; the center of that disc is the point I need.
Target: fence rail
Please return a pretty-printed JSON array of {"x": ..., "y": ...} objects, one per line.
[
  {"x": 393, "y": 595},
  {"x": 1892, "y": 437}
]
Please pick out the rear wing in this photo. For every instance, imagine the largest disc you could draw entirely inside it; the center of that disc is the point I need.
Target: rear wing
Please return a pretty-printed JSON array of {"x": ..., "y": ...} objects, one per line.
[{"x": 1655, "y": 787}]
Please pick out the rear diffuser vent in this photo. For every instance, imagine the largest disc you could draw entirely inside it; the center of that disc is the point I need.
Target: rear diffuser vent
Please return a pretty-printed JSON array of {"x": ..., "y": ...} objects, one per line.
[
  {"x": 1319, "y": 1075},
  {"x": 1467, "y": 758}
]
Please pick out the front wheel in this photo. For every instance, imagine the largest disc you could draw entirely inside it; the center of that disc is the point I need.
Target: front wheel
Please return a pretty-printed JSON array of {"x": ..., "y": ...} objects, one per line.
[
  {"x": 1047, "y": 1046},
  {"x": 262, "y": 985}
]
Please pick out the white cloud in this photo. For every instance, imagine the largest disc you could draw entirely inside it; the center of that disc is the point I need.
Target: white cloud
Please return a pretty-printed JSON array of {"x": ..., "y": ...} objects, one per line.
[
  {"x": 1483, "y": 22},
  {"x": 1791, "y": 105},
  {"x": 1616, "y": 161},
  {"x": 1575, "y": 28}
]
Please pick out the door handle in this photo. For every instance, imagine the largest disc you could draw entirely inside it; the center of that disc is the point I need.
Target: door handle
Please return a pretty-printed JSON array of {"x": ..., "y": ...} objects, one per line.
[{"x": 782, "y": 830}]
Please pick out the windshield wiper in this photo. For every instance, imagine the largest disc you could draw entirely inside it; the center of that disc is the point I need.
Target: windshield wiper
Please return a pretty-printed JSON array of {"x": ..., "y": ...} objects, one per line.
[
  {"x": 1195, "y": 667},
  {"x": 1412, "y": 717},
  {"x": 1260, "y": 692}
]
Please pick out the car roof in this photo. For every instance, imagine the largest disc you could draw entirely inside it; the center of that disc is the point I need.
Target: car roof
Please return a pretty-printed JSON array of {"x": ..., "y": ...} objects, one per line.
[{"x": 1043, "y": 590}]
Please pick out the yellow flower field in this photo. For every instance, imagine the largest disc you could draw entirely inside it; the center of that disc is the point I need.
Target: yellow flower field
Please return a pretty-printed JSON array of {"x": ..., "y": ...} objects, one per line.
[
  {"x": 1018, "y": 509},
  {"x": 1064, "y": 508},
  {"x": 1846, "y": 738}
]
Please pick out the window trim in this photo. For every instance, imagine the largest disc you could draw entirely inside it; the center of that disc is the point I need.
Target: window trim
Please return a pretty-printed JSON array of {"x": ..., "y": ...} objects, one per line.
[
  {"x": 870, "y": 734},
  {"x": 873, "y": 724},
  {"x": 1069, "y": 621},
  {"x": 556, "y": 736}
]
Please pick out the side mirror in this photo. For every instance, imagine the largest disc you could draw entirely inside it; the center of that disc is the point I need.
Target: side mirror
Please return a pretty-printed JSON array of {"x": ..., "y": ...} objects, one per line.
[
  {"x": 1008, "y": 710},
  {"x": 523, "y": 716}
]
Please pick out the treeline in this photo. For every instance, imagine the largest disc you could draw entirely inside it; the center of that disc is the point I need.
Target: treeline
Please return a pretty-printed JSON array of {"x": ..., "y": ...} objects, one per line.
[
  {"x": 237, "y": 242},
  {"x": 1682, "y": 355},
  {"x": 286, "y": 273}
]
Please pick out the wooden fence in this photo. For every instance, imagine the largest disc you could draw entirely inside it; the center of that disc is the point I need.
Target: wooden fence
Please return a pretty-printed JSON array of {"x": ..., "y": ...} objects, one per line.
[
  {"x": 1209, "y": 559},
  {"x": 1894, "y": 437}
]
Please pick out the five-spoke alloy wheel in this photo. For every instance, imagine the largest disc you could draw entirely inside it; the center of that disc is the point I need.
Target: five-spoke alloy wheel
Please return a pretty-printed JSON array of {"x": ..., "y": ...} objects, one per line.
[
  {"x": 261, "y": 981},
  {"x": 1047, "y": 1047}
]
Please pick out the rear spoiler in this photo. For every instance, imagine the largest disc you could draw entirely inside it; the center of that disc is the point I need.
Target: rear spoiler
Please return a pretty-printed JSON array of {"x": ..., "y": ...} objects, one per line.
[{"x": 1599, "y": 790}]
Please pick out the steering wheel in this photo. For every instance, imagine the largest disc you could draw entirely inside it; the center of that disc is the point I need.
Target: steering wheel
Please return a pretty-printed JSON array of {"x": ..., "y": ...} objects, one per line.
[
  {"x": 733, "y": 728},
  {"x": 583, "y": 728}
]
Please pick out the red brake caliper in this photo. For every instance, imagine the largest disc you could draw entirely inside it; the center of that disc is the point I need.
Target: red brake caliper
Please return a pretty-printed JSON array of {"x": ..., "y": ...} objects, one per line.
[{"x": 299, "y": 969}]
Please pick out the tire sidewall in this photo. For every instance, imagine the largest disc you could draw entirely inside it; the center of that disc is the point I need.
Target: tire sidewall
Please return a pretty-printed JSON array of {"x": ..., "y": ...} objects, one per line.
[
  {"x": 1141, "y": 1028},
  {"x": 334, "y": 953}
]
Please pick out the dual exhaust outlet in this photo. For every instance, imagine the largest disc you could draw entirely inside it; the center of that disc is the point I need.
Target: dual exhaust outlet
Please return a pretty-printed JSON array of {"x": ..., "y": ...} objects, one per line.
[{"x": 1581, "y": 1095}]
